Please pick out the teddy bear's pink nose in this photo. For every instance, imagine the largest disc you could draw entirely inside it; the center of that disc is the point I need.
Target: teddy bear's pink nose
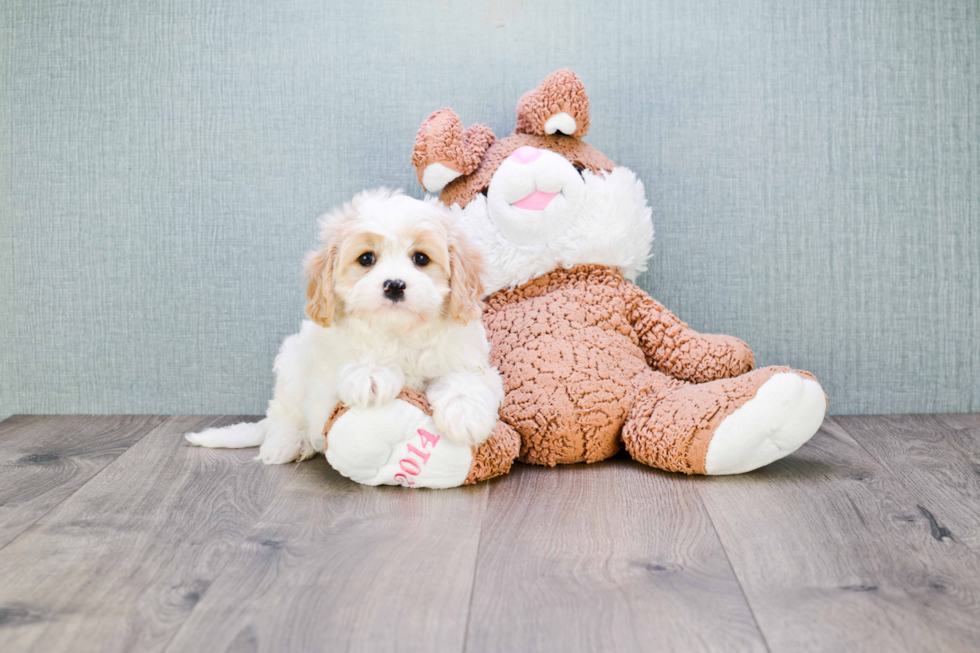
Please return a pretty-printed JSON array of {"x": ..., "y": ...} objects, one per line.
[{"x": 526, "y": 154}]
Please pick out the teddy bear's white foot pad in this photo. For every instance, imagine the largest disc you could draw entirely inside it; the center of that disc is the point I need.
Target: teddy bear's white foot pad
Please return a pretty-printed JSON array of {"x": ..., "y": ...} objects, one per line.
[
  {"x": 784, "y": 413},
  {"x": 396, "y": 444}
]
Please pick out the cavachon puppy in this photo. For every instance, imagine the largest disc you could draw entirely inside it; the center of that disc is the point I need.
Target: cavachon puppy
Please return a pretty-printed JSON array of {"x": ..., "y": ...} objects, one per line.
[{"x": 394, "y": 317}]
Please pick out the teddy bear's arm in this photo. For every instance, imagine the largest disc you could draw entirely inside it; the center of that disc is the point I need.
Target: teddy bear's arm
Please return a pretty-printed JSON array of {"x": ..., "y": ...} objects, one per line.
[{"x": 674, "y": 348}]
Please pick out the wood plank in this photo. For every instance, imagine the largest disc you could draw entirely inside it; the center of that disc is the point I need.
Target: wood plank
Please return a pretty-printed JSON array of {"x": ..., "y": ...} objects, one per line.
[
  {"x": 936, "y": 463},
  {"x": 121, "y": 563},
  {"x": 834, "y": 554},
  {"x": 960, "y": 420},
  {"x": 610, "y": 556},
  {"x": 43, "y": 459},
  {"x": 337, "y": 566}
]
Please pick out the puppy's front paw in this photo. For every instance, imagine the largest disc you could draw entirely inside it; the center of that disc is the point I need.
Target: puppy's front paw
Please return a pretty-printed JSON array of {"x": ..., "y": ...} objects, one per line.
[
  {"x": 464, "y": 417},
  {"x": 368, "y": 386}
]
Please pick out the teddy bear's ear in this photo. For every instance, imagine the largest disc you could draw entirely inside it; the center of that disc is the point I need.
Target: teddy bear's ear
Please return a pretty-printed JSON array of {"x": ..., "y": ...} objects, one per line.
[
  {"x": 443, "y": 151},
  {"x": 558, "y": 105}
]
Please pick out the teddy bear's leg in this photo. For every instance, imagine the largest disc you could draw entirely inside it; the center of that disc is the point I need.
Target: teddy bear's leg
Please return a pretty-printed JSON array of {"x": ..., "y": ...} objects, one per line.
[
  {"x": 495, "y": 456},
  {"x": 728, "y": 426},
  {"x": 399, "y": 444}
]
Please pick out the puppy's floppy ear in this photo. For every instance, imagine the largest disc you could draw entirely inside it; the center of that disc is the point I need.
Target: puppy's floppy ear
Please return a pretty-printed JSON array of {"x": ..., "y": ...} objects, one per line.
[
  {"x": 465, "y": 286},
  {"x": 321, "y": 265},
  {"x": 319, "y": 289}
]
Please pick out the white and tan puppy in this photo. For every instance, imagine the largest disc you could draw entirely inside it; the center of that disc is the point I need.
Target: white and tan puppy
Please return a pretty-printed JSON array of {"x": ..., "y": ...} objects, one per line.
[{"x": 394, "y": 300}]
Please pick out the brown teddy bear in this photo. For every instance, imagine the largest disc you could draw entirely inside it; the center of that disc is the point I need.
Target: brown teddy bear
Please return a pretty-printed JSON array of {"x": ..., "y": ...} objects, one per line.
[{"x": 590, "y": 362}]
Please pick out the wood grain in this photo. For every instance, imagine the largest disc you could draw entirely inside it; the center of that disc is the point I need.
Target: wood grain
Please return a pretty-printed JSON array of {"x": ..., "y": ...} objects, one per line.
[
  {"x": 611, "y": 556},
  {"x": 335, "y": 566},
  {"x": 45, "y": 459},
  {"x": 936, "y": 463},
  {"x": 960, "y": 420},
  {"x": 834, "y": 554},
  {"x": 853, "y": 543},
  {"x": 121, "y": 563}
]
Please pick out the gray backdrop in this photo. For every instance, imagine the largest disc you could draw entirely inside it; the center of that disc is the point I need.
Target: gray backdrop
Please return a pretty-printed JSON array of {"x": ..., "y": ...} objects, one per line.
[{"x": 813, "y": 167}]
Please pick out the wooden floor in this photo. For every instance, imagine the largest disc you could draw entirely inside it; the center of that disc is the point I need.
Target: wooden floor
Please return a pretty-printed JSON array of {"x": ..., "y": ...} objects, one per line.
[{"x": 115, "y": 535}]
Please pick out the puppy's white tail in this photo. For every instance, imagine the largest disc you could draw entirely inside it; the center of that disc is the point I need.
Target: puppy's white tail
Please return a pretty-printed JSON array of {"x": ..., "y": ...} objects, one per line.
[{"x": 235, "y": 436}]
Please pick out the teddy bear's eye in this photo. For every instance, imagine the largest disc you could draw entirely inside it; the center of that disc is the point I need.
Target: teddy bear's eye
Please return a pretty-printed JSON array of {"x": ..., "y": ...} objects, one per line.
[{"x": 366, "y": 259}]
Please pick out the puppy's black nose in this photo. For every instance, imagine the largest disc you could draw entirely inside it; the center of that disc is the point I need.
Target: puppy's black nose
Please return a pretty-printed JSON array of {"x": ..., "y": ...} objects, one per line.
[{"x": 394, "y": 289}]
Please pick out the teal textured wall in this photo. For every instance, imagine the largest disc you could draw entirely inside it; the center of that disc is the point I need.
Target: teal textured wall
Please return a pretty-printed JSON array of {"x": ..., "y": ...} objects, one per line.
[{"x": 813, "y": 167}]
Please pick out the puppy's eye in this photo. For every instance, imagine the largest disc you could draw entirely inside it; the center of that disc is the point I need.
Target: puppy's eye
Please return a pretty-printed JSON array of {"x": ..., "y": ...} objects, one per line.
[
  {"x": 579, "y": 169},
  {"x": 420, "y": 259},
  {"x": 366, "y": 259}
]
